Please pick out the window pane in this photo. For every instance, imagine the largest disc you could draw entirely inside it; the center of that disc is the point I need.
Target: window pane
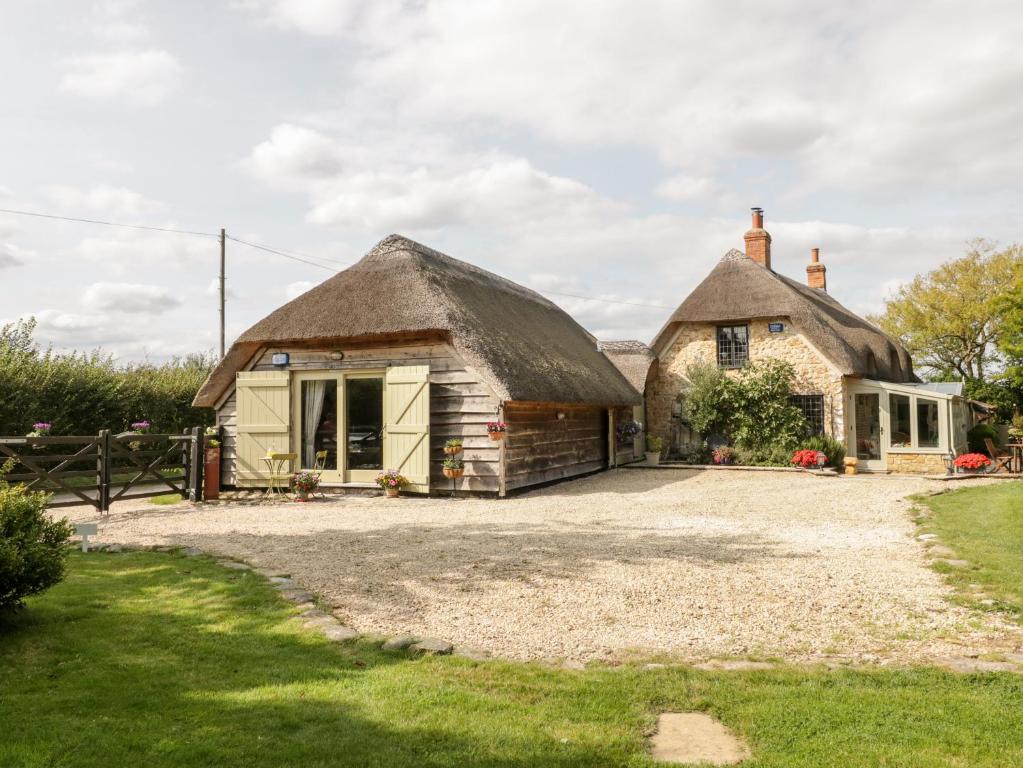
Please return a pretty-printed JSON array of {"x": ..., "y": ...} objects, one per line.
[
  {"x": 900, "y": 437},
  {"x": 868, "y": 427},
  {"x": 365, "y": 422},
  {"x": 927, "y": 423},
  {"x": 812, "y": 408},
  {"x": 319, "y": 422},
  {"x": 733, "y": 345}
]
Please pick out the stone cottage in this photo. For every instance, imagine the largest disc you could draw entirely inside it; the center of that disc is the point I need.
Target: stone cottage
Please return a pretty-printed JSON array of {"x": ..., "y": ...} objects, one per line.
[{"x": 853, "y": 382}]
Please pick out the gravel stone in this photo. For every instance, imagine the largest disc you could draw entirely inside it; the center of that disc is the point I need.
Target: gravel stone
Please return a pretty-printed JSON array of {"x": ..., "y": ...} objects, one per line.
[{"x": 694, "y": 564}]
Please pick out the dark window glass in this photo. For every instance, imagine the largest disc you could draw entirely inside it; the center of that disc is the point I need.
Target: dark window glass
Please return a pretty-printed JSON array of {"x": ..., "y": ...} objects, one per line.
[
  {"x": 926, "y": 423},
  {"x": 364, "y": 417},
  {"x": 899, "y": 405},
  {"x": 812, "y": 408},
  {"x": 733, "y": 345}
]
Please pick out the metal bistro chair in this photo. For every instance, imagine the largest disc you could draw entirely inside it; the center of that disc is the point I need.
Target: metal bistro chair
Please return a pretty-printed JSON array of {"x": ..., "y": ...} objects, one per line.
[
  {"x": 1001, "y": 460},
  {"x": 279, "y": 466},
  {"x": 318, "y": 469}
]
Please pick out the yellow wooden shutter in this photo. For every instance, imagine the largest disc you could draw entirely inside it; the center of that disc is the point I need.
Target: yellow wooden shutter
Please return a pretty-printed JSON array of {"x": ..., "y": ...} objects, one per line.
[
  {"x": 264, "y": 422},
  {"x": 407, "y": 424}
]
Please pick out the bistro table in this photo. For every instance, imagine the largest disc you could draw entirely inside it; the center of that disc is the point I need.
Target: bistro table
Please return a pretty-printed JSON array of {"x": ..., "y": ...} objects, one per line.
[{"x": 279, "y": 467}]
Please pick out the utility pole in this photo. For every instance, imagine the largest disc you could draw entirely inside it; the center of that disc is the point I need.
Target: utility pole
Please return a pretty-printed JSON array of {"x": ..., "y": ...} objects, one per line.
[{"x": 223, "y": 260}]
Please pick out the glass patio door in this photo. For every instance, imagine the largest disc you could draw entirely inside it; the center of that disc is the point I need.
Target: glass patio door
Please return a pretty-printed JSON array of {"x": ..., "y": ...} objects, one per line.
[
  {"x": 868, "y": 431},
  {"x": 340, "y": 417}
]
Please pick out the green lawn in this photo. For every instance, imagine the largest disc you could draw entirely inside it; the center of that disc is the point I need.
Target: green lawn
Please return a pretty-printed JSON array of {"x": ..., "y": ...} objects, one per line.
[
  {"x": 146, "y": 659},
  {"x": 984, "y": 525}
]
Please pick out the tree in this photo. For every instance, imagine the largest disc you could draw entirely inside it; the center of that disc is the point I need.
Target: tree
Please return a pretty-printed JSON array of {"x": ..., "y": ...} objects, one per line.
[
  {"x": 1011, "y": 341},
  {"x": 952, "y": 319}
]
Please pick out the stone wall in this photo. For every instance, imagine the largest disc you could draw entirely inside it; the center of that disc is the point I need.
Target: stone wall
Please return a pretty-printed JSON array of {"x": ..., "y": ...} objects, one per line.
[
  {"x": 697, "y": 343},
  {"x": 916, "y": 463}
]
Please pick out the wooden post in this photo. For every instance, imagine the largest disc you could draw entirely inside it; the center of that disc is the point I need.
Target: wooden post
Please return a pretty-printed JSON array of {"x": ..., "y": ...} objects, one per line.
[
  {"x": 103, "y": 471},
  {"x": 196, "y": 458},
  {"x": 223, "y": 264}
]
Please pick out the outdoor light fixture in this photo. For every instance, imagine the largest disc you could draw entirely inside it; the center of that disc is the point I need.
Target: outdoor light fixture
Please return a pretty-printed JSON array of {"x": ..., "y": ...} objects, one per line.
[
  {"x": 822, "y": 459},
  {"x": 561, "y": 415},
  {"x": 949, "y": 461},
  {"x": 337, "y": 354}
]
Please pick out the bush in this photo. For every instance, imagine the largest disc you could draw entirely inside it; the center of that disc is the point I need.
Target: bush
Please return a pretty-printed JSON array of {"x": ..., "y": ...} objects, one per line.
[
  {"x": 975, "y": 438},
  {"x": 772, "y": 456},
  {"x": 701, "y": 454},
  {"x": 832, "y": 448},
  {"x": 33, "y": 549}
]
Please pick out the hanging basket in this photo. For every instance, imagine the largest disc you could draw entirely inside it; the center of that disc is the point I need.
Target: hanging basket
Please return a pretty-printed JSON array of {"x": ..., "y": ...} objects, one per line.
[
  {"x": 496, "y": 436},
  {"x": 453, "y": 474},
  {"x": 452, "y": 450}
]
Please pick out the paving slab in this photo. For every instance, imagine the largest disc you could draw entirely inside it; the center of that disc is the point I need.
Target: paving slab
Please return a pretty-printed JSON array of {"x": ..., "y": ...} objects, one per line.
[{"x": 695, "y": 737}]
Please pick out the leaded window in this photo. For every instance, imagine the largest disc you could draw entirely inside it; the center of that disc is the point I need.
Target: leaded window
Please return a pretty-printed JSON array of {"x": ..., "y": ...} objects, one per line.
[
  {"x": 812, "y": 408},
  {"x": 733, "y": 345}
]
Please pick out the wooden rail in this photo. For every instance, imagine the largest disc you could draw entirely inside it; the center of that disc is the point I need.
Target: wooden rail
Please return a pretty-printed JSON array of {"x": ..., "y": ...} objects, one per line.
[{"x": 122, "y": 466}]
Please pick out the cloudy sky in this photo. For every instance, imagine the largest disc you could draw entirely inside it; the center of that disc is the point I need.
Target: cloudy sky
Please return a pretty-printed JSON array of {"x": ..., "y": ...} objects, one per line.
[{"x": 607, "y": 148}]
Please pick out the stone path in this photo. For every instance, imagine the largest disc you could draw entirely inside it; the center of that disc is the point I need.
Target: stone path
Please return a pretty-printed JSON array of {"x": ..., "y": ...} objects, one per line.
[{"x": 695, "y": 737}]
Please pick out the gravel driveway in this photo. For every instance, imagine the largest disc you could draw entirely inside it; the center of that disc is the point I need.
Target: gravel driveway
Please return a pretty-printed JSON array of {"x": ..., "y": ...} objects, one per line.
[{"x": 686, "y": 564}]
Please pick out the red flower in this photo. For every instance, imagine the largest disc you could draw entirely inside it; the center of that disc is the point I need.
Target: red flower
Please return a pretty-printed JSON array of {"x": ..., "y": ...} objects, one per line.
[
  {"x": 806, "y": 458},
  {"x": 971, "y": 461}
]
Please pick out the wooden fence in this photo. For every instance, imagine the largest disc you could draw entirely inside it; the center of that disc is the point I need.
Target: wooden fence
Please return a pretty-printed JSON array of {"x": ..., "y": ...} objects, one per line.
[{"x": 105, "y": 468}]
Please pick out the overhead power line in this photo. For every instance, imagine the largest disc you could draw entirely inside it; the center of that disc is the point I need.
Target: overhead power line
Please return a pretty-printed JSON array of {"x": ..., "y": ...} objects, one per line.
[
  {"x": 287, "y": 254},
  {"x": 108, "y": 223}
]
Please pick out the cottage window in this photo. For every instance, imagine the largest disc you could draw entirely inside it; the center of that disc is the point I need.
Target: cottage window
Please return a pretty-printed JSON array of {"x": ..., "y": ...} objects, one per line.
[
  {"x": 812, "y": 408},
  {"x": 926, "y": 423},
  {"x": 900, "y": 416},
  {"x": 733, "y": 345}
]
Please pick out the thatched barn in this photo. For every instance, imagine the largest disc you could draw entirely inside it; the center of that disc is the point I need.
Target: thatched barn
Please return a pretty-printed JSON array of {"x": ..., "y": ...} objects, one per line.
[
  {"x": 637, "y": 363},
  {"x": 382, "y": 363}
]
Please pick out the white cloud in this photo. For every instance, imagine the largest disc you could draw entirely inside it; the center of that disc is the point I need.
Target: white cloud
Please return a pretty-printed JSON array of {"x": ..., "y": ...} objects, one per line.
[
  {"x": 296, "y": 289},
  {"x": 129, "y": 298},
  {"x": 144, "y": 77},
  {"x": 112, "y": 201},
  {"x": 12, "y": 256}
]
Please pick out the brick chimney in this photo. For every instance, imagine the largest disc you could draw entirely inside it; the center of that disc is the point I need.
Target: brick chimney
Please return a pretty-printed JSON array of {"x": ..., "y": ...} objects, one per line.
[
  {"x": 816, "y": 273},
  {"x": 758, "y": 240}
]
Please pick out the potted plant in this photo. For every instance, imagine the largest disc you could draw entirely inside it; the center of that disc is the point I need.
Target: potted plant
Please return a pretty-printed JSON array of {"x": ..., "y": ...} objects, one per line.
[
  {"x": 453, "y": 447},
  {"x": 628, "y": 429},
  {"x": 654, "y": 445},
  {"x": 304, "y": 483},
  {"x": 40, "y": 429},
  {"x": 971, "y": 463},
  {"x": 138, "y": 428},
  {"x": 724, "y": 455},
  {"x": 453, "y": 468},
  {"x": 496, "y": 429},
  {"x": 392, "y": 482}
]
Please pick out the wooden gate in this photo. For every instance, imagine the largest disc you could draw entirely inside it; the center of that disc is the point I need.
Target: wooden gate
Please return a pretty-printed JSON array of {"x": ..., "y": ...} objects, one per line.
[{"x": 105, "y": 468}]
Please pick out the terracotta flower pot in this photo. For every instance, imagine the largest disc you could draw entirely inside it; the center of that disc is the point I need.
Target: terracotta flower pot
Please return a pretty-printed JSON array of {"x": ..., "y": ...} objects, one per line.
[
  {"x": 392, "y": 493},
  {"x": 452, "y": 450},
  {"x": 453, "y": 474},
  {"x": 497, "y": 435},
  {"x": 302, "y": 496}
]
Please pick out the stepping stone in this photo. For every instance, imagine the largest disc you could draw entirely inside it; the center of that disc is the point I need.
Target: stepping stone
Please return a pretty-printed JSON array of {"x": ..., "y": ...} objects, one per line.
[
  {"x": 573, "y": 664},
  {"x": 280, "y": 580},
  {"x": 112, "y": 548},
  {"x": 927, "y": 537},
  {"x": 733, "y": 665},
  {"x": 695, "y": 737},
  {"x": 939, "y": 550},
  {"x": 323, "y": 621},
  {"x": 432, "y": 646},
  {"x": 968, "y": 666},
  {"x": 298, "y": 596},
  {"x": 234, "y": 566},
  {"x": 955, "y": 563},
  {"x": 340, "y": 633},
  {"x": 398, "y": 643},
  {"x": 192, "y": 552}
]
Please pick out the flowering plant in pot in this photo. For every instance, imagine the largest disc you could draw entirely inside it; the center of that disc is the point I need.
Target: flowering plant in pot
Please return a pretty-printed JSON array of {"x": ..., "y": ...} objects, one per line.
[
  {"x": 40, "y": 429},
  {"x": 628, "y": 429},
  {"x": 392, "y": 482},
  {"x": 971, "y": 462},
  {"x": 496, "y": 429},
  {"x": 654, "y": 445},
  {"x": 453, "y": 447},
  {"x": 138, "y": 428},
  {"x": 453, "y": 468},
  {"x": 724, "y": 455},
  {"x": 805, "y": 458},
  {"x": 304, "y": 483}
]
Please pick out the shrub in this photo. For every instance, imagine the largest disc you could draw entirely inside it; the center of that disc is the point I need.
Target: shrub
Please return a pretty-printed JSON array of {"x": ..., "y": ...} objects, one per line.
[
  {"x": 706, "y": 397},
  {"x": 975, "y": 437},
  {"x": 772, "y": 456},
  {"x": 701, "y": 454},
  {"x": 832, "y": 448},
  {"x": 33, "y": 549},
  {"x": 654, "y": 444},
  {"x": 972, "y": 461},
  {"x": 723, "y": 455}
]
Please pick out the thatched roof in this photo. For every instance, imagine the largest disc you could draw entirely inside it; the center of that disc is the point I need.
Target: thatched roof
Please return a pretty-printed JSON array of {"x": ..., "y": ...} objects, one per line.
[
  {"x": 524, "y": 346},
  {"x": 633, "y": 358},
  {"x": 739, "y": 289}
]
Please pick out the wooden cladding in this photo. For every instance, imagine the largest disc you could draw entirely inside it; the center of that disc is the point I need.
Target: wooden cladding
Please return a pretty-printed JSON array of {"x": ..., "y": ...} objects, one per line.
[{"x": 541, "y": 447}]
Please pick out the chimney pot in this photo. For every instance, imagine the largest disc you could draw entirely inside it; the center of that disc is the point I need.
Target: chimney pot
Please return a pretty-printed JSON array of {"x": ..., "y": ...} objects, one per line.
[
  {"x": 758, "y": 240},
  {"x": 816, "y": 273}
]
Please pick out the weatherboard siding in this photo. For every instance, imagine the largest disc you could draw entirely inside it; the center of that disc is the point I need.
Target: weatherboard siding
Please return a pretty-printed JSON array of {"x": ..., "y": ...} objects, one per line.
[
  {"x": 461, "y": 404},
  {"x": 540, "y": 447}
]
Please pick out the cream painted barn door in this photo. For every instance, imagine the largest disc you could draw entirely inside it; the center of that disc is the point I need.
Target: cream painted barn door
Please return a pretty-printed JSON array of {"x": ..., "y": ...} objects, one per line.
[
  {"x": 264, "y": 422},
  {"x": 407, "y": 424}
]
